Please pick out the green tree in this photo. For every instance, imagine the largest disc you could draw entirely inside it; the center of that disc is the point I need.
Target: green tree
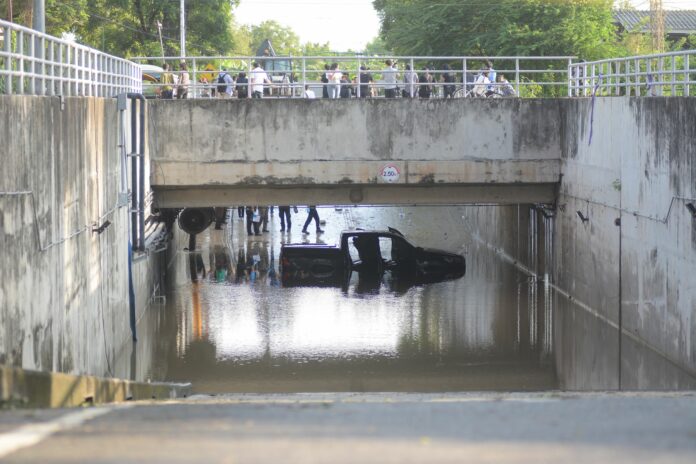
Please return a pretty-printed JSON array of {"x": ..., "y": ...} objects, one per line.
[
  {"x": 506, "y": 27},
  {"x": 284, "y": 40},
  {"x": 129, "y": 27}
]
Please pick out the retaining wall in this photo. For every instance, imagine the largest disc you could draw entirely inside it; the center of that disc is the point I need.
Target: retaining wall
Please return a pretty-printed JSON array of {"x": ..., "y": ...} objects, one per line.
[{"x": 64, "y": 289}]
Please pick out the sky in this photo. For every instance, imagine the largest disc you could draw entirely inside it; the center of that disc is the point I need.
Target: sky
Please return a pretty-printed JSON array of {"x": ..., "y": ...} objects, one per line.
[{"x": 346, "y": 24}]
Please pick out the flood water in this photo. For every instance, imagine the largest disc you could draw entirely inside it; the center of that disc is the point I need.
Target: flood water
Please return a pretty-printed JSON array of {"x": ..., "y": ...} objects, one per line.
[{"x": 236, "y": 330}]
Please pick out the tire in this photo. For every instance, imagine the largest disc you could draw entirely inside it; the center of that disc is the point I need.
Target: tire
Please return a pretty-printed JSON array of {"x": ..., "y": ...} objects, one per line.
[
  {"x": 460, "y": 93},
  {"x": 195, "y": 220}
]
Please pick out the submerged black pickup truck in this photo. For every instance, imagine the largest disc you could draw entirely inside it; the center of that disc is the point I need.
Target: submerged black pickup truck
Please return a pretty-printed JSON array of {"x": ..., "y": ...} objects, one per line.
[{"x": 370, "y": 253}]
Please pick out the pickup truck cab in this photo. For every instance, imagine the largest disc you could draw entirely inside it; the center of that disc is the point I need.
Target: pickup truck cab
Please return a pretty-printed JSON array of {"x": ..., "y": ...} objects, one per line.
[{"x": 370, "y": 253}]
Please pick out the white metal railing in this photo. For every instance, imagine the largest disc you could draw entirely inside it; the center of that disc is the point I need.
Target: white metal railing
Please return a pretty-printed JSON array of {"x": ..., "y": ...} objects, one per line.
[
  {"x": 664, "y": 74},
  {"x": 32, "y": 63},
  {"x": 528, "y": 76}
]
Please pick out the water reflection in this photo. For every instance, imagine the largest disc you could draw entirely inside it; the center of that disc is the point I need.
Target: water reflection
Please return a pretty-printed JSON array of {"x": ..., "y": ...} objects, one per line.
[{"x": 237, "y": 329}]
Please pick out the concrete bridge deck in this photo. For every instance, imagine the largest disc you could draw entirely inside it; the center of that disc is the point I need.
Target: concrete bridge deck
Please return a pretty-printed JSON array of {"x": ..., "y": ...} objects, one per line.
[{"x": 228, "y": 152}]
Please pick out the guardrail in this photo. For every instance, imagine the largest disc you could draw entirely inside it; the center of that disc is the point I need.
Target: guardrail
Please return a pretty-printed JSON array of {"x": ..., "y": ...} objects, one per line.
[
  {"x": 664, "y": 74},
  {"x": 528, "y": 76},
  {"x": 33, "y": 63}
]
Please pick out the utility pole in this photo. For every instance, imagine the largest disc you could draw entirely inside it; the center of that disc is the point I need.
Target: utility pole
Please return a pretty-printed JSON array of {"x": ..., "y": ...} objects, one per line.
[
  {"x": 182, "y": 26},
  {"x": 39, "y": 16},
  {"x": 657, "y": 26},
  {"x": 9, "y": 11}
]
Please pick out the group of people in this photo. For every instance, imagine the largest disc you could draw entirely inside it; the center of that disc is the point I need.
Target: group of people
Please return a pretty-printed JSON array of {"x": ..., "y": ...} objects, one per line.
[
  {"x": 337, "y": 83},
  {"x": 257, "y": 218},
  {"x": 225, "y": 85}
]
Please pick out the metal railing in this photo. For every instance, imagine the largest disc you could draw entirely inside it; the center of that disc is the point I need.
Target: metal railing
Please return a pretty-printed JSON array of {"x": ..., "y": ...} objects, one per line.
[
  {"x": 528, "y": 76},
  {"x": 664, "y": 74},
  {"x": 32, "y": 63}
]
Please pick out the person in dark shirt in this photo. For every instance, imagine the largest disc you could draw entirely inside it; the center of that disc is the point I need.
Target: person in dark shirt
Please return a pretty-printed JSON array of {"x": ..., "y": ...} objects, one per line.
[
  {"x": 325, "y": 81},
  {"x": 242, "y": 85},
  {"x": 448, "y": 79},
  {"x": 365, "y": 81}
]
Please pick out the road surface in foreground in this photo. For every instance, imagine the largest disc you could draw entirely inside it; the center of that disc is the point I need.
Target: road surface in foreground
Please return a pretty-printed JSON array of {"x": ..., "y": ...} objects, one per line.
[{"x": 381, "y": 428}]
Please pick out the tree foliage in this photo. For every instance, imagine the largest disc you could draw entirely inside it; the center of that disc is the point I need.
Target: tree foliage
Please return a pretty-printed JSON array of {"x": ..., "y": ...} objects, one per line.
[
  {"x": 506, "y": 27},
  {"x": 130, "y": 27}
]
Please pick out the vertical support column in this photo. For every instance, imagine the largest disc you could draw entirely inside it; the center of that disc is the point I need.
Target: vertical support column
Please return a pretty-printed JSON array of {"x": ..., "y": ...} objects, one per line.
[
  {"x": 465, "y": 66},
  {"x": 660, "y": 74},
  {"x": 32, "y": 68},
  {"x": 249, "y": 79},
  {"x": 21, "y": 64},
  {"x": 570, "y": 78},
  {"x": 7, "y": 34},
  {"x": 673, "y": 76},
  {"x": 194, "y": 82},
  {"x": 304, "y": 74},
  {"x": 687, "y": 75},
  {"x": 50, "y": 87},
  {"x": 517, "y": 76},
  {"x": 42, "y": 65}
]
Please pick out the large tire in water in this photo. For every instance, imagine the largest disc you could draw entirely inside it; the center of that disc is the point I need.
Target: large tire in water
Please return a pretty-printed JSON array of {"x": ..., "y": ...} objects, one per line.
[{"x": 195, "y": 220}]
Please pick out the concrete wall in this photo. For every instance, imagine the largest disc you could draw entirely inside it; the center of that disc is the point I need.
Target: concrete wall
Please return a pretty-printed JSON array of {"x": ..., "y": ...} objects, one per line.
[
  {"x": 629, "y": 268},
  {"x": 637, "y": 273},
  {"x": 64, "y": 307},
  {"x": 248, "y": 151}
]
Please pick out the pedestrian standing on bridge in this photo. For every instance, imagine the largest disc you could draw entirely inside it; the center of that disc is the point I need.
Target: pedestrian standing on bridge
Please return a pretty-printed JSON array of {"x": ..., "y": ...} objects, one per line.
[
  {"x": 325, "y": 81},
  {"x": 366, "y": 82},
  {"x": 184, "y": 81},
  {"x": 167, "y": 81},
  {"x": 410, "y": 82},
  {"x": 312, "y": 214},
  {"x": 426, "y": 83},
  {"x": 335, "y": 76},
  {"x": 242, "y": 85},
  {"x": 258, "y": 79},
  {"x": 390, "y": 76}
]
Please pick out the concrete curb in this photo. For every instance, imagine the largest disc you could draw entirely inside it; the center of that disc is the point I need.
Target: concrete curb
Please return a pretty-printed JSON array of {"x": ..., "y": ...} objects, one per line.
[{"x": 34, "y": 389}]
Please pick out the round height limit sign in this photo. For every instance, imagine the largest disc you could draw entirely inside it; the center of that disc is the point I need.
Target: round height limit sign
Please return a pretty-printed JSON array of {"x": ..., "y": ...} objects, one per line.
[{"x": 390, "y": 173}]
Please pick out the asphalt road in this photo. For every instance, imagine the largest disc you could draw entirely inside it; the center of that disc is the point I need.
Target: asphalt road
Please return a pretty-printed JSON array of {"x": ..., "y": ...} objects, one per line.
[{"x": 351, "y": 428}]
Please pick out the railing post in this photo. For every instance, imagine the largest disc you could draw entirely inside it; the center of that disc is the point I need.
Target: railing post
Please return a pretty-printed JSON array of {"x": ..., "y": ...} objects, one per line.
[
  {"x": 32, "y": 53},
  {"x": 7, "y": 34},
  {"x": 357, "y": 90},
  {"x": 194, "y": 78},
  {"x": 249, "y": 78},
  {"x": 687, "y": 75},
  {"x": 50, "y": 87},
  {"x": 517, "y": 77},
  {"x": 673, "y": 76},
  {"x": 660, "y": 73},
  {"x": 569, "y": 77},
  {"x": 465, "y": 68},
  {"x": 22, "y": 64},
  {"x": 304, "y": 75}
]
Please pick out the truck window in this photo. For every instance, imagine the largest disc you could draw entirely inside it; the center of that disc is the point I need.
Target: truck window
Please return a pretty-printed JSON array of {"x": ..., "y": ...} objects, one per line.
[{"x": 385, "y": 247}]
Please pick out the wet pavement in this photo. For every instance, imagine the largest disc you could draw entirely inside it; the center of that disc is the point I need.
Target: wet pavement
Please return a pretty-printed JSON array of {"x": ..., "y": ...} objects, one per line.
[
  {"x": 380, "y": 428},
  {"x": 236, "y": 329}
]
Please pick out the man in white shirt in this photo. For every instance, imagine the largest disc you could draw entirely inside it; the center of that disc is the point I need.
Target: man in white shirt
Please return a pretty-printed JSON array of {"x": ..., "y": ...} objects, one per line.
[
  {"x": 481, "y": 84},
  {"x": 309, "y": 93},
  {"x": 389, "y": 76},
  {"x": 410, "y": 81},
  {"x": 258, "y": 79}
]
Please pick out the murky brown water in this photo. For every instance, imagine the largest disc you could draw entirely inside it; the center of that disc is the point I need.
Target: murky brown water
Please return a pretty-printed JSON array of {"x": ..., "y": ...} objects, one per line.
[{"x": 240, "y": 331}]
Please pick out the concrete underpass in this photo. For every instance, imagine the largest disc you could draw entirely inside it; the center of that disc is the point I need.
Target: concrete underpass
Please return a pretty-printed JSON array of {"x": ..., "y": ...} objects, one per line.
[{"x": 571, "y": 337}]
